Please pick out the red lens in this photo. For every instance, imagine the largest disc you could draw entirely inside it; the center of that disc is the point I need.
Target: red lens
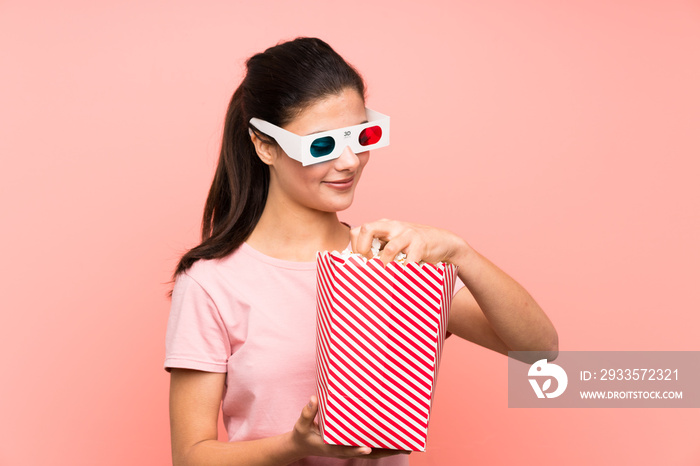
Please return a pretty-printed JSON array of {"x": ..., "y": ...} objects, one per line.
[{"x": 370, "y": 135}]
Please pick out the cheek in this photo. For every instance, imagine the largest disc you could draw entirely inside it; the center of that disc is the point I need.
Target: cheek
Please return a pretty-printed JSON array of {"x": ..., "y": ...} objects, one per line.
[
  {"x": 363, "y": 157},
  {"x": 312, "y": 175},
  {"x": 317, "y": 172}
]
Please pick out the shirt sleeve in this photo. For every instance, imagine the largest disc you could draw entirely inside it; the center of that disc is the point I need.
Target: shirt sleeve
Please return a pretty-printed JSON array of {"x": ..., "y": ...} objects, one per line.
[
  {"x": 459, "y": 284},
  {"x": 196, "y": 336}
]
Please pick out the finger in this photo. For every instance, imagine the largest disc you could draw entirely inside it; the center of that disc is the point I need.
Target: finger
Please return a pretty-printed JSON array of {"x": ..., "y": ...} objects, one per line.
[
  {"x": 376, "y": 453},
  {"x": 414, "y": 253},
  {"x": 363, "y": 240},
  {"x": 337, "y": 451},
  {"x": 308, "y": 413},
  {"x": 342, "y": 451},
  {"x": 383, "y": 230},
  {"x": 383, "y": 453},
  {"x": 354, "y": 240},
  {"x": 358, "y": 451},
  {"x": 394, "y": 246}
]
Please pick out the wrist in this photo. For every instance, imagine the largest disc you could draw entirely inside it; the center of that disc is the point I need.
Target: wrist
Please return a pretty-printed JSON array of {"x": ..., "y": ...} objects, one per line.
[
  {"x": 291, "y": 449},
  {"x": 461, "y": 253}
]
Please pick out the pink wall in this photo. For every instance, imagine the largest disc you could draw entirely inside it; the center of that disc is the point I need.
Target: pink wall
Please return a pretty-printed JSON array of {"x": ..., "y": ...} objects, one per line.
[{"x": 559, "y": 138}]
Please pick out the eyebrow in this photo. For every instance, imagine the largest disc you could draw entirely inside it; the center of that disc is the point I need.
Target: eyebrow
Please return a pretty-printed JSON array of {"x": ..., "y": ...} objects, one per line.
[{"x": 334, "y": 129}]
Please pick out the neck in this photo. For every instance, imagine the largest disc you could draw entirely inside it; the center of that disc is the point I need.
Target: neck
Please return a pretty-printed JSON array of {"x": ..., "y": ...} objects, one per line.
[{"x": 295, "y": 234}]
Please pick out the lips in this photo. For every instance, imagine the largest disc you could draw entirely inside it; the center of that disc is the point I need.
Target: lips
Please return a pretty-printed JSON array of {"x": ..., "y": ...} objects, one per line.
[
  {"x": 341, "y": 184},
  {"x": 346, "y": 180}
]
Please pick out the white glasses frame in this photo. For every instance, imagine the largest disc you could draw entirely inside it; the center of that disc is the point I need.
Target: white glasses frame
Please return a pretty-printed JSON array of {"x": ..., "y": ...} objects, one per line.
[{"x": 299, "y": 147}]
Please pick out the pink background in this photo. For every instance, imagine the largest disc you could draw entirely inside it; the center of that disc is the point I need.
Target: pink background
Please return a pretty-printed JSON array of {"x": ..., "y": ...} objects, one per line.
[{"x": 560, "y": 138}]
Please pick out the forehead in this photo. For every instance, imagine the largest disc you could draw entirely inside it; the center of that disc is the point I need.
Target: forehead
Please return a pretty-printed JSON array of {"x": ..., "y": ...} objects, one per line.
[{"x": 332, "y": 112}]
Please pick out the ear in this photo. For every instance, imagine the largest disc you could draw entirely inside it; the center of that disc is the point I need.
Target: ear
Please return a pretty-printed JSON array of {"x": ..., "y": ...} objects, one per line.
[{"x": 265, "y": 150}]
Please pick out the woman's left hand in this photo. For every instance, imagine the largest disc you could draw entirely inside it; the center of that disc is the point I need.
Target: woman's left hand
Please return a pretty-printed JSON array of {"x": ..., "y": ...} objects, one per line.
[{"x": 418, "y": 242}]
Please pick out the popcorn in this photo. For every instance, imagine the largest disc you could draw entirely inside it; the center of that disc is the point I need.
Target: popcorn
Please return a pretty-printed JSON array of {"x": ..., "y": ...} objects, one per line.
[
  {"x": 376, "y": 248},
  {"x": 379, "y": 337}
]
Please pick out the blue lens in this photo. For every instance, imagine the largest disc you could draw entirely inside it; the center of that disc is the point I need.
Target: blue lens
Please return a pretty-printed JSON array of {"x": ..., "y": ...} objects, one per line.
[{"x": 322, "y": 146}]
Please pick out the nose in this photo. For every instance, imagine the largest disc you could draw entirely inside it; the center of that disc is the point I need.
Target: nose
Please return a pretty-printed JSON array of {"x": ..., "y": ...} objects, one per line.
[{"x": 348, "y": 160}]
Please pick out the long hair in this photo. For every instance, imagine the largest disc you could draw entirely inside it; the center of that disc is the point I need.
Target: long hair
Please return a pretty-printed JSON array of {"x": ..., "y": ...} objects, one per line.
[{"x": 279, "y": 84}]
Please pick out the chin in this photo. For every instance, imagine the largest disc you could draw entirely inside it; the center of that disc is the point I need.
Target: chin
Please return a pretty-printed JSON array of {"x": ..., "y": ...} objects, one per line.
[{"x": 337, "y": 205}]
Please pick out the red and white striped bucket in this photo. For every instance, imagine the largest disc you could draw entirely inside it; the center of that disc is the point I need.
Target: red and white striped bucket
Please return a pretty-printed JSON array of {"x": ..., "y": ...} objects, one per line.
[{"x": 379, "y": 337}]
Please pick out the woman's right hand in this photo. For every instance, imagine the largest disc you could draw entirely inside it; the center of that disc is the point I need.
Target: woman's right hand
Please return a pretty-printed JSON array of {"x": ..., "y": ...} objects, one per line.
[{"x": 307, "y": 437}]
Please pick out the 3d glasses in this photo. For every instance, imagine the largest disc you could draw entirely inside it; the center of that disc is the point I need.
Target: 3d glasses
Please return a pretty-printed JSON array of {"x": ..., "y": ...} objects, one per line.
[{"x": 328, "y": 145}]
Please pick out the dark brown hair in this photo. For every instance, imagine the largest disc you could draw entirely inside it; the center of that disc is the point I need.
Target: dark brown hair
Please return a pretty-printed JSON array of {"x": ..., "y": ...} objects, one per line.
[{"x": 279, "y": 84}]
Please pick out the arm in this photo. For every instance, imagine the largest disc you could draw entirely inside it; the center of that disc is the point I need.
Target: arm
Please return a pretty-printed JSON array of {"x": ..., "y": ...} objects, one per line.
[
  {"x": 493, "y": 311},
  {"x": 195, "y": 398},
  {"x": 496, "y": 312}
]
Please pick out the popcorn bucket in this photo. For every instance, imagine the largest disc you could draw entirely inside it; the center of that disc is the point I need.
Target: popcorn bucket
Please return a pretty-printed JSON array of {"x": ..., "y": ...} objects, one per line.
[{"x": 379, "y": 337}]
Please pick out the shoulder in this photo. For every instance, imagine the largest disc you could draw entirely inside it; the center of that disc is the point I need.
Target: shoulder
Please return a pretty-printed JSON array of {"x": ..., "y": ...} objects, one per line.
[
  {"x": 244, "y": 268},
  {"x": 209, "y": 286},
  {"x": 210, "y": 274},
  {"x": 204, "y": 270}
]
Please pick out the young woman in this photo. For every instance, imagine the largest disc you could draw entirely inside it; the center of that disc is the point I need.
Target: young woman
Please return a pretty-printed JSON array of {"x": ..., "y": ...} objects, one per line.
[{"x": 241, "y": 332}]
